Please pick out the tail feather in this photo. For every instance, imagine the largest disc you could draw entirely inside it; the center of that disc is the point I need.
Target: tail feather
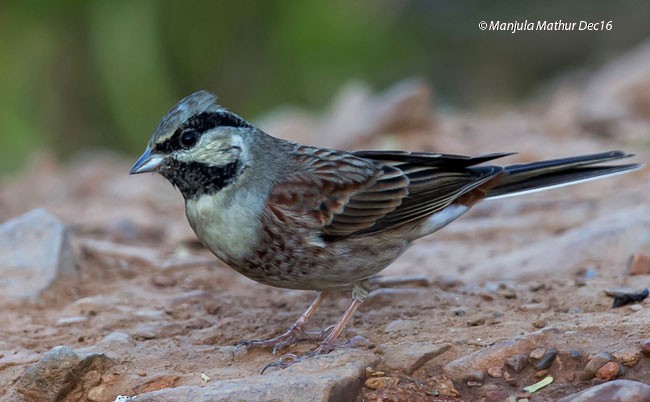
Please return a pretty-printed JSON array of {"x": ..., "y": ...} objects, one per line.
[{"x": 530, "y": 177}]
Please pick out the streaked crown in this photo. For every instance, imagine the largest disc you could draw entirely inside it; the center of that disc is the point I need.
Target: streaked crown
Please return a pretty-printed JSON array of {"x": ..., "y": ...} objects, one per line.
[{"x": 196, "y": 113}]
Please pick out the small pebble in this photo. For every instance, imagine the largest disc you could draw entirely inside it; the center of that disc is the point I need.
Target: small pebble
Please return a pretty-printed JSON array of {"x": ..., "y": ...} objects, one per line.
[
  {"x": 381, "y": 382},
  {"x": 645, "y": 347},
  {"x": 540, "y": 323},
  {"x": 537, "y": 354},
  {"x": 639, "y": 264},
  {"x": 494, "y": 371},
  {"x": 118, "y": 338},
  {"x": 608, "y": 372},
  {"x": 534, "y": 307},
  {"x": 575, "y": 354},
  {"x": 150, "y": 314},
  {"x": 359, "y": 341},
  {"x": 487, "y": 296},
  {"x": 635, "y": 307},
  {"x": 474, "y": 377},
  {"x": 627, "y": 356},
  {"x": 536, "y": 286},
  {"x": 517, "y": 362},
  {"x": 212, "y": 307},
  {"x": 541, "y": 374},
  {"x": 625, "y": 296},
  {"x": 70, "y": 320},
  {"x": 506, "y": 291},
  {"x": 510, "y": 380},
  {"x": 370, "y": 372},
  {"x": 112, "y": 377},
  {"x": 444, "y": 386},
  {"x": 163, "y": 281},
  {"x": 595, "y": 363},
  {"x": 476, "y": 322},
  {"x": 458, "y": 312},
  {"x": 145, "y": 335},
  {"x": 580, "y": 282},
  {"x": 547, "y": 360},
  {"x": 620, "y": 291},
  {"x": 574, "y": 310},
  {"x": 401, "y": 326}
]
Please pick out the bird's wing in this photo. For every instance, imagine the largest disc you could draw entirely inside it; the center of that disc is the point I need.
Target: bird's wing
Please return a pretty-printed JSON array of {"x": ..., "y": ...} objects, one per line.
[
  {"x": 345, "y": 194},
  {"x": 435, "y": 181}
]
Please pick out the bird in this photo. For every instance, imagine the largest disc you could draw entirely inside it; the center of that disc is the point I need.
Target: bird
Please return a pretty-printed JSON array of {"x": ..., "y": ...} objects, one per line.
[{"x": 296, "y": 216}]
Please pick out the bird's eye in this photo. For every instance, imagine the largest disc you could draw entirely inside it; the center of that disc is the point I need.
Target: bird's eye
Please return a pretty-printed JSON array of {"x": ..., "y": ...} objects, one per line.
[{"x": 188, "y": 138}]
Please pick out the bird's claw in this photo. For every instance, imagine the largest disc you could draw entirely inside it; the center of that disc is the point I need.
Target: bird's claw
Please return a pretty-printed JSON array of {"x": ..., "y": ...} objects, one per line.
[
  {"x": 289, "y": 359},
  {"x": 282, "y": 341},
  {"x": 283, "y": 362},
  {"x": 277, "y": 343}
]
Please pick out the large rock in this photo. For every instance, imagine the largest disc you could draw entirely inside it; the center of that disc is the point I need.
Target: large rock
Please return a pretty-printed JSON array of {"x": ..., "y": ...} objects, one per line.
[
  {"x": 58, "y": 374},
  {"x": 35, "y": 257},
  {"x": 335, "y": 377},
  {"x": 410, "y": 356},
  {"x": 497, "y": 354},
  {"x": 613, "y": 391}
]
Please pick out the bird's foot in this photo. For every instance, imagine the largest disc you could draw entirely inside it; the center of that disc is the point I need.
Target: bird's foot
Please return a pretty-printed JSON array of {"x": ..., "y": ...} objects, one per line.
[
  {"x": 288, "y": 338},
  {"x": 283, "y": 362},
  {"x": 324, "y": 348},
  {"x": 289, "y": 359}
]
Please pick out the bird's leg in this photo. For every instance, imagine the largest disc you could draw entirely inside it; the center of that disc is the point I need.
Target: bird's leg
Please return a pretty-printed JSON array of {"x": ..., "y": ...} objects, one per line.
[
  {"x": 293, "y": 334},
  {"x": 360, "y": 293},
  {"x": 328, "y": 343}
]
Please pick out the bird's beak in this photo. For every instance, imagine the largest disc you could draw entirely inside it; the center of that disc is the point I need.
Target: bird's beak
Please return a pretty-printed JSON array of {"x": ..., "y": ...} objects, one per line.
[{"x": 148, "y": 162}]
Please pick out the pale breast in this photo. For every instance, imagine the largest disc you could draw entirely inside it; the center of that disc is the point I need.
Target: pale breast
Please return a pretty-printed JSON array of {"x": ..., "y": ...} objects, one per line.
[{"x": 227, "y": 222}]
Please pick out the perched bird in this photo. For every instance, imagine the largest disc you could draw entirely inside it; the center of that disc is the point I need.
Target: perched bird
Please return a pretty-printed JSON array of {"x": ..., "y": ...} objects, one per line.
[{"x": 301, "y": 217}]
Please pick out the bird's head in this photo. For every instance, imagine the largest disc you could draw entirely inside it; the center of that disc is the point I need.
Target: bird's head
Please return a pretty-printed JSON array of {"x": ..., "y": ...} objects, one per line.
[{"x": 199, "y": 146}]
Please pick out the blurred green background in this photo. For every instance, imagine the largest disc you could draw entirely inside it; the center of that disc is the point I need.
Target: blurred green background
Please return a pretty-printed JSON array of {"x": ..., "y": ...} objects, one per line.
[{"x": 80, "y": 74}]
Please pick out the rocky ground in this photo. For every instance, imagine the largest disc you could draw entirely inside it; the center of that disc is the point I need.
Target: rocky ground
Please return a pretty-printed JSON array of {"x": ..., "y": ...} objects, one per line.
[{"x": 107, "y": 296}]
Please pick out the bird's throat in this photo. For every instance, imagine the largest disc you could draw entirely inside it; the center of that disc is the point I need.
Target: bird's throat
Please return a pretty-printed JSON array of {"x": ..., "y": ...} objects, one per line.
[{"x": 194, "y": 179}]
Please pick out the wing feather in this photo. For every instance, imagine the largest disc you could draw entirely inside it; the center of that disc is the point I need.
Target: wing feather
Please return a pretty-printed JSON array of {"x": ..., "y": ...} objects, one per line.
[{"x": 345, "y": 194}]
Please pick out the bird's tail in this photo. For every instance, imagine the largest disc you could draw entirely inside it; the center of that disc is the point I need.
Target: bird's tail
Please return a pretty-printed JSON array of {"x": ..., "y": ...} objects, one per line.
[{"x": 536, "y": 176}]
